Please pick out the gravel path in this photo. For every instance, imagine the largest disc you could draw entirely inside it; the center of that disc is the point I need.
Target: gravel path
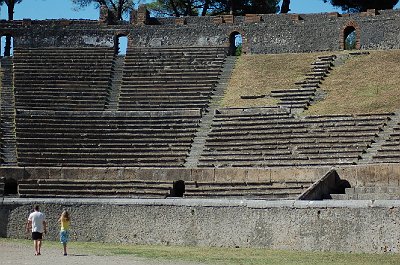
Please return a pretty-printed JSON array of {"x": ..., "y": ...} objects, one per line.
[{"x": 21, "y": 254}]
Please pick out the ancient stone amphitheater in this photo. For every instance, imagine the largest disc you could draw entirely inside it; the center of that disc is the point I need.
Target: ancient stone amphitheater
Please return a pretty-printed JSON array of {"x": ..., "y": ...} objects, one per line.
[{"x": 140, "y": 145}]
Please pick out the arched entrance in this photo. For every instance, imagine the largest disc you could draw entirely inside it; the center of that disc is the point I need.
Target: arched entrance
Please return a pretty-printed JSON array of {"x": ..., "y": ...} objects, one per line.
[
  {"x": 350, "y": 38},
  {"x": 235, "y": 44}
]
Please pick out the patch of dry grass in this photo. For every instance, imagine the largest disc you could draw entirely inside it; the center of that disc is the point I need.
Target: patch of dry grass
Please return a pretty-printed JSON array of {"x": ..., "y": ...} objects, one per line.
[
  {"x": 260, "y": 74},
  {"x": 363, "y": 84}
]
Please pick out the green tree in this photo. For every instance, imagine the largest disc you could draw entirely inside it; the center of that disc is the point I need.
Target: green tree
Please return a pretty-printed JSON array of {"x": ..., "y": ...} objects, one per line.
[
  {"x": 118, "y": 7},
  {"x": 179, "y": 8},
  {"x": 10, "y": 13},
  {"x": 362, "y": 5}
]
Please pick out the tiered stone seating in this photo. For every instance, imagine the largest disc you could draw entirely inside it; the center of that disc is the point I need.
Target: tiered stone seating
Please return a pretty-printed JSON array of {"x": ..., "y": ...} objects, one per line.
[
  {"x": 389, "y": 152},
  {"x": 62, "y": 78},
  {"x": 93, "y": 188},
  {"x": 278, "y": 139},
  {"x": 139, "y": 139},
  {"x": 165, "y": 78},
  {"x": 261, "y": 190},
  {"x": 369, "y": 193}
]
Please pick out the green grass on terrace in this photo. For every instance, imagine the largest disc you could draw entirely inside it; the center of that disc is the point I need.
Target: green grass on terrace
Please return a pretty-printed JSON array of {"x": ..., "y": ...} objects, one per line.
[
  {"x": 222, "y": 256},
  {"x": 363, "y": 84}
]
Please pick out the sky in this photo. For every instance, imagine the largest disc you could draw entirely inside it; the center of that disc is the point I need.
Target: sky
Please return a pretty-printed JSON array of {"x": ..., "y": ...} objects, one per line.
[{"x": 54, "y": 9}]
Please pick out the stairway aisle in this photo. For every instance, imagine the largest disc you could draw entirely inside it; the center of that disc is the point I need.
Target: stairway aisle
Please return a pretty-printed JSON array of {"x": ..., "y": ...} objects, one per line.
[
  {"x": 7, "y": 115},
  {"x": 206, "y": 121}
]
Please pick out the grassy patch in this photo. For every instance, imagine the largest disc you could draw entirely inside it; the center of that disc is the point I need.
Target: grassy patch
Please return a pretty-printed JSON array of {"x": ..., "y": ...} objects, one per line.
[
  {"x": 224, "y": 256},
  {"x": 362, "y": 84},
  {"x": 260, "y": 74}
]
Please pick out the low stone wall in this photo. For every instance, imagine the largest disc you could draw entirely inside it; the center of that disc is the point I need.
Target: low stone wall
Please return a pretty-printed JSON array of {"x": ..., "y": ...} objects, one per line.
[
  {"x": 357, "y": 175},
  {"x": 346, "y": 226}
]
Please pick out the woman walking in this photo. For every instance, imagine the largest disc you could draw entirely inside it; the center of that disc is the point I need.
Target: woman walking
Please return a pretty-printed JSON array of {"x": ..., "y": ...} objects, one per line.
[{"x": 64, "y": 231}]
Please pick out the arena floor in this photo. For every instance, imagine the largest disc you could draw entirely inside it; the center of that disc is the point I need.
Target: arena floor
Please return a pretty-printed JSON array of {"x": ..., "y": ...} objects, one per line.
[{"x": 22, "y": 254}]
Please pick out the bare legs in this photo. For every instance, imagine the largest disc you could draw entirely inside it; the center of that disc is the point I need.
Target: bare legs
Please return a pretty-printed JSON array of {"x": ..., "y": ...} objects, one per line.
[
  {"x": 65, "y": 249},
  {"x": 38, "y": 245}
]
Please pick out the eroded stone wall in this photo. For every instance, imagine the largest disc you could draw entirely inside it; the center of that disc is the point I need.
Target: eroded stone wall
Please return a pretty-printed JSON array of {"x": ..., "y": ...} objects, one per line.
[
  {"x": 348, "y": 226},
  {"x": 273, "y": 33}
]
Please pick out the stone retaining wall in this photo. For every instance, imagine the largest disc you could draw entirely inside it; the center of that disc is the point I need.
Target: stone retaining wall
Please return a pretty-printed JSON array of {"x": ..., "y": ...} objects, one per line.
[{"x": 348, "y": 226}]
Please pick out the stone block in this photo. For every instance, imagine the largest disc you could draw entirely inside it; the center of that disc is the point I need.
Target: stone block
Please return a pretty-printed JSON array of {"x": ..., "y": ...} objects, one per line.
[
  {"x": 333, "y": 14},
  {"x": 252, "y": 18},
  {"x": 228, "y": 19},
  {"x": 258, "y": 174},
  {"x": 38, "y": 172},
  {"x": 131, "y": 173},
  {"x": 16, "y": 173},
  {"x": 297, "y": 174},
  {"x": 203, "y": 174},
  {"x": 295, "y": 17},
  {"x": 164, "y": 174},
  {"x": 217, "y": 20},
  {"x": 230, "y": 174},
  {"x": 180, "y": 21}
]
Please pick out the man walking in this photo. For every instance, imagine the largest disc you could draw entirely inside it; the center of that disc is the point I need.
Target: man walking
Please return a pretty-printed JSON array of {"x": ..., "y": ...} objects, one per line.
[{"x": 37, "y": 222}]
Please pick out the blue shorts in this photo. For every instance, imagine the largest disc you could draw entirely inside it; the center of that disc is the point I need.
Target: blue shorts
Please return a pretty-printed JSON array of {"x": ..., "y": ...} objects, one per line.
[{"x": 64, "y": 236}]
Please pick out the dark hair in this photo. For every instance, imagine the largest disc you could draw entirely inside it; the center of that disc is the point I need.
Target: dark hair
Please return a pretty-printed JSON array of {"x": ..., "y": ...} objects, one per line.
[{"x": 36, "y": 207}]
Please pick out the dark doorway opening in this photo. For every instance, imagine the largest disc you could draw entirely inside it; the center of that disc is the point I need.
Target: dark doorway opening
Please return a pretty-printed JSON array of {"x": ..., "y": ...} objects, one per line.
[
  {"x": 178, "y": 189},
  {"x": 350, "y": 38},
  {"x": 235, "y": 44}
]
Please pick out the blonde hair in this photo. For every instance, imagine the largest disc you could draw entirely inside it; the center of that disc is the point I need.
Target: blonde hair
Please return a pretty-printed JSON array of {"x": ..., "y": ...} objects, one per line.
[{"x": 65, "y": 215}]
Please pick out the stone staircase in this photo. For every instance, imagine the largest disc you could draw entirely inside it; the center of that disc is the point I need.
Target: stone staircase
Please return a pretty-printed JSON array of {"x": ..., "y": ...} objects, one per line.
[
  {"x": 369, "y": 193},
  {"x": 388, "y": 130},
  {"x": 299, "y": 98},
  {"x": 116, "y": 82},
  {"x": 7, "y": 115},
  {"x": 206, "y": 121}
]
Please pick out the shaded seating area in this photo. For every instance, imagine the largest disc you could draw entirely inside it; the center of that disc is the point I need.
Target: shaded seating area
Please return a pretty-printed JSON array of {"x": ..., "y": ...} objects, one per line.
[
  {"x": 93, "y": 188},
  {"x": 170, "y": 77},
  {"x": 389, "y": 151},
  {"x": 105, "y": 138},
  {"x": 57, "y": 78},
  {"x": 266, "y": 139},
  {"x": 262, "y": 190},
  {"x": 139, "y": 188}
]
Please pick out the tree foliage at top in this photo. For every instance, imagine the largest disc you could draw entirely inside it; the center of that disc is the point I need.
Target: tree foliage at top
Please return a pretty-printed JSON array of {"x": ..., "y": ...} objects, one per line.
[
  {"x": 179, "y": 8},
  {"x": 118, "y": 7},
  {"x": 363, "y": 5}
]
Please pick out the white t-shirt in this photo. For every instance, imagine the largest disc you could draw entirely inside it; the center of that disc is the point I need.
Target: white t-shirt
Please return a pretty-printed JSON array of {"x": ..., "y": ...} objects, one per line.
[{"x": 37, "y": 219}]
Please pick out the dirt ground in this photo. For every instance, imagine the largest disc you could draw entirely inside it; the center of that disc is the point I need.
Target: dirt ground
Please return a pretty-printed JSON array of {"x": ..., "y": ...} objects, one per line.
[{"x": 22, "y": 254}]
